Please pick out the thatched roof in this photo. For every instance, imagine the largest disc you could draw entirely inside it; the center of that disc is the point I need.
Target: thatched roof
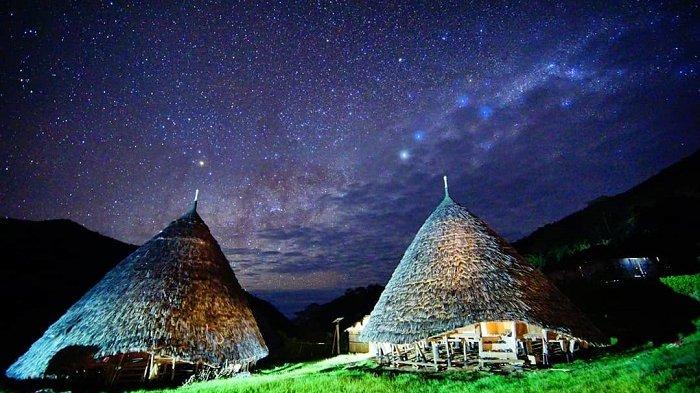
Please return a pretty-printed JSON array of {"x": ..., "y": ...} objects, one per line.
[
  {"x": 175, "y": 296},
  {"x": 458, "y": 271}
]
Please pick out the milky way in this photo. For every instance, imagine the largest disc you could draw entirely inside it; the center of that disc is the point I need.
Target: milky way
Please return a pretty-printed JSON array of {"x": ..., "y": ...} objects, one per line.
[{"x": 318, "y": 132}]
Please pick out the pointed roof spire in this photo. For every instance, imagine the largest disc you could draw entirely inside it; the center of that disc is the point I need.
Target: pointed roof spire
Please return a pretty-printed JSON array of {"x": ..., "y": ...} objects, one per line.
[
  {"x": 456, "y": 252},
  {"x": 194, "y": 204},
  {"x": 187, "y": 260}
]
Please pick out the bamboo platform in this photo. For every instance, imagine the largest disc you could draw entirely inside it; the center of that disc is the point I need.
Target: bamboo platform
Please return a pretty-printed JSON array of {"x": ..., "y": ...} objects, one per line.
[{"x": 448, "y": 354}]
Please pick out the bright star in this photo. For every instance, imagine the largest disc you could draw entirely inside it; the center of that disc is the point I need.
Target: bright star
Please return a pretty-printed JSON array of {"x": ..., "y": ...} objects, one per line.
[
  {"x": 485, "y": 112},
  {"x": 200, "y": 163},
  {"x": 462, "y": 101},
  {"x": 418, "y": 136},
  {"x": 404, "y": 155}
]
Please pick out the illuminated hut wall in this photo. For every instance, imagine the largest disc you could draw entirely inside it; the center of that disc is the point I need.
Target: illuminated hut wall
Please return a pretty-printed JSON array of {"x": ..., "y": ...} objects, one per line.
[
  {"x": 170, "y": 309},
  {"x": 461, "y": 287},
  {"x": 355, "y": 345}
]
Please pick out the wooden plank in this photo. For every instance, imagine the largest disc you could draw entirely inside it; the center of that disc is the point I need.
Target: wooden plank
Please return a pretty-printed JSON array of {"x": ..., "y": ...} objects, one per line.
[
  {"x": 410, "y": 363},
  {"x": 464, "y": 350},
  {"x": 447, "y": 352},
  {"x": 116, "y": 369},
  {"x": 498, "y": 355},
  {"x": 480, "y": 342},
  {"x": 146, "y": 369},
  {"x": 419, "y": 353},
  {"x": 507, "y": 346},
  {"x": 545, "y": 349},
  {"x": 435, "y": 355},
  {"x": 152, "y": 371},
  {"x": 502, "y": 361}
]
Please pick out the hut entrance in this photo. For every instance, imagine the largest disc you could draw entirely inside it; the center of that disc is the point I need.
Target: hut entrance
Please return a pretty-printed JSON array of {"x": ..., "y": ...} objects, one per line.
[
  {"x": 485, "y": 345},
  {"x": 136, "y": 368},
  {"x": 127, "y": 368},
  {"x": 77, "y": 364}
]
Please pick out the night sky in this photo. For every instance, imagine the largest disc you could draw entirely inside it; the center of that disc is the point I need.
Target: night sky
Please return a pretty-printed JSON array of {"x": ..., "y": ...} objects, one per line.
[{"x": 318, "y": 132}]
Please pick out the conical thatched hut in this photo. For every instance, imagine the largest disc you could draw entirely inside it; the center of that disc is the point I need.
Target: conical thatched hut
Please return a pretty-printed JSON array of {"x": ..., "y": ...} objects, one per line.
[
  {"x": 170, "y": 309},
  {"x": 462, "y": 294}
]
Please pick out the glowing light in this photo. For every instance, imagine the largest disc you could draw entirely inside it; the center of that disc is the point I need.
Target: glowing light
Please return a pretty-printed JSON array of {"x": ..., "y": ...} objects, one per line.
[
  {"x": 404, "y": 155},
  {"x": 462, "y": 101},
  {"x": 418, "y": 136},
  {"x": 200, "y": 163},
  {"x": 485, "y": 112}
]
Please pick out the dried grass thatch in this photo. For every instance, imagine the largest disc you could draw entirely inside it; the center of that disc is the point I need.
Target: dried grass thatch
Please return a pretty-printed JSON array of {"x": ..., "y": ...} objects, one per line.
[
  {"x": 174, "y": 297},
  {"x": 458, "y": 271}
]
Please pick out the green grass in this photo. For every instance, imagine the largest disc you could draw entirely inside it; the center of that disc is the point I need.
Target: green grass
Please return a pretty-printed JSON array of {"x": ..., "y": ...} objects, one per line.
[
  {"x": 688, "y": 285},
  {"x": 667, "y": 368},
  {"x": 671, "y": 367}
]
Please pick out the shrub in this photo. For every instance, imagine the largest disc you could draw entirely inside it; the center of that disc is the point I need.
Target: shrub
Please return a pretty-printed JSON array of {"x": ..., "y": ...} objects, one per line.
[{"x": 688, "y": 284}]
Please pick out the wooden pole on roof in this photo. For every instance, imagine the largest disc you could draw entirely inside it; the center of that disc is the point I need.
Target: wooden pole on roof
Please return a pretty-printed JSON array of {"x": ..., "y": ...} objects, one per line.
[{"x": 444, "y": 178}]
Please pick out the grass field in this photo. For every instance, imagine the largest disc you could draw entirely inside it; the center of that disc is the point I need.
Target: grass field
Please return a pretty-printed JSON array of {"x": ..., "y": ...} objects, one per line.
[
  {"x": 671, "y": 367},
  {"x": 688, "y": 285},
  {"x": 668, "y": 368}
]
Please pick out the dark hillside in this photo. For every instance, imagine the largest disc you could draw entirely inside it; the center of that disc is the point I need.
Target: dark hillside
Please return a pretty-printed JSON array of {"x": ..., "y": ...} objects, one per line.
[
  {"x": 315, "y": 322},
  {"x": 659, "y": 217},
  {"x": 274, "y": 326},
  {"x": 657, "y": 221},
  {"x": 48, "y": 265}
]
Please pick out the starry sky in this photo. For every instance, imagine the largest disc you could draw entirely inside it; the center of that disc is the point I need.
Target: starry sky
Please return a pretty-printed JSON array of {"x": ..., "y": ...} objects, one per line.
[{"x": 318, "y": 132}]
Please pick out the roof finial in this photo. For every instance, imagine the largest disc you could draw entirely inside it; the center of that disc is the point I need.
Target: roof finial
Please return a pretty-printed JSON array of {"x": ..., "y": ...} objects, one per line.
[
  {"x": 447, "y": 194},
  {"x": 196, "y": 196}
]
